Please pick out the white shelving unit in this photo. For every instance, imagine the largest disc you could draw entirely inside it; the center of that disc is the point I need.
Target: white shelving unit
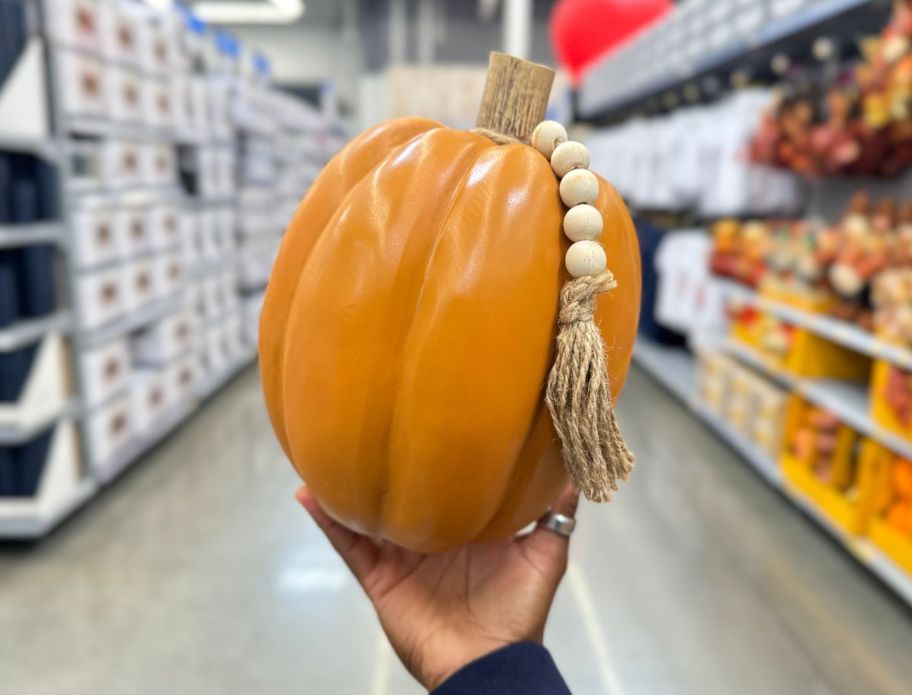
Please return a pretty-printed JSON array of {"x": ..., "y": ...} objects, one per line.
[
  {"x": 145, "y": 133},
  {"x": 661, "y": 362}
]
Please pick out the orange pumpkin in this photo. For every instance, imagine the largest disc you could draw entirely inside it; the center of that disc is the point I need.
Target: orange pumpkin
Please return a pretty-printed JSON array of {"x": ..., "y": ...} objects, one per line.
[{"x": 409, "y": 327}]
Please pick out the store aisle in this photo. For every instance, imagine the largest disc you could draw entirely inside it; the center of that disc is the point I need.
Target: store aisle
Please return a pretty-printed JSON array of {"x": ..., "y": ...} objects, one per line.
[{"x": 198, "y": 574}]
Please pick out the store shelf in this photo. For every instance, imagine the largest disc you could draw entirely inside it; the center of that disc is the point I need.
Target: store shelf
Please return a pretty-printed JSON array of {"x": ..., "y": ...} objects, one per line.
[
  {"x": 599, "y": 99},
  {"x": 44, "y": 148},
  {"x": 131, "y": 322},
  {"x": 658, "y": 361},
  {"x": 12, "y": 235},
  {"x": 26, "y": 332},
  {"x": 142, "y": 443},
  {"x": 673, "y": 367},
  {"x": 28, "y": 518},
  {"x": 840, "y": 332},
  {"x": 847, "y": 400},
  {"x": 758, "y": 459},
  {"x": 14, "y": 436}
]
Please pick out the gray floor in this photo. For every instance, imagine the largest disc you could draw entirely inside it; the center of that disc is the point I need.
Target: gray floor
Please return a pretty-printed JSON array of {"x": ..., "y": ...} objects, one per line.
[{"x": 198, "y": 574}]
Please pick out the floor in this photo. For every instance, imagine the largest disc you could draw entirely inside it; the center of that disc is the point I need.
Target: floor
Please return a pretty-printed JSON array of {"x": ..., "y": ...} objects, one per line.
[{"x": 197, "y": 574}]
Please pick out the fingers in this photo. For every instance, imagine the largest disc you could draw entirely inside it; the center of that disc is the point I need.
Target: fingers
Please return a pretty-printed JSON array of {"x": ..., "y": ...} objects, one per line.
[
  {"x": 358, "y": 552},
  {"x": 551, "y": 544}
]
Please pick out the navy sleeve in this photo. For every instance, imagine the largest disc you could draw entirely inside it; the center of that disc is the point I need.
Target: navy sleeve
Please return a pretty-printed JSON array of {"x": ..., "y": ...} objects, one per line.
[{"x": 518, "y": 669}]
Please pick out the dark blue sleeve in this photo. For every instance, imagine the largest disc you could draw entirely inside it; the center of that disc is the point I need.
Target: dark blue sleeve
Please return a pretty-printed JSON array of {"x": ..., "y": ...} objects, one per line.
[{"x": 518, "y": 669}]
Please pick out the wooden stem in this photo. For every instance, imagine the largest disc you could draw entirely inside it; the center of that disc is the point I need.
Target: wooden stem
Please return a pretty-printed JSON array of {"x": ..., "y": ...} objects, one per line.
[{"x": 515, "y": 97}]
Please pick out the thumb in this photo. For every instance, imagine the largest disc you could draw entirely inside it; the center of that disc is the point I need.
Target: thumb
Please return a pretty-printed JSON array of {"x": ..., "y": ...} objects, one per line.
[{"x": 549, "y": 545}]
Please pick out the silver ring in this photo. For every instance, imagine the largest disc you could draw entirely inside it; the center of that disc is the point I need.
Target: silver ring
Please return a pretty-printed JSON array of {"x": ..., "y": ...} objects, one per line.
[{"x": 560, "y": 524}]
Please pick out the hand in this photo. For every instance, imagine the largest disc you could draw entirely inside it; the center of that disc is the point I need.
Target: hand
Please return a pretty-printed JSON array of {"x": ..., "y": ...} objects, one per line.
[{"x": 441, "y": 612}]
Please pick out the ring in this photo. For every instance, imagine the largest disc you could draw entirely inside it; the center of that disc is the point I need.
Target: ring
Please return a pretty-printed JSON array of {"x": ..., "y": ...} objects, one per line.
[{"x": 560, "y": 524}]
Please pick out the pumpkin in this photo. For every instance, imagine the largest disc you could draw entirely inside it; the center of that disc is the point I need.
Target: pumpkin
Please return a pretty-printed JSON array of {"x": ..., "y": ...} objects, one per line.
[{"x": 409, "y": 327}]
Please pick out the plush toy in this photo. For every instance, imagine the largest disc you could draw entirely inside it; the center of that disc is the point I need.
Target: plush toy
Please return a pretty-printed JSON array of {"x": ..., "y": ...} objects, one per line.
[{"x": 433, "y": 338}]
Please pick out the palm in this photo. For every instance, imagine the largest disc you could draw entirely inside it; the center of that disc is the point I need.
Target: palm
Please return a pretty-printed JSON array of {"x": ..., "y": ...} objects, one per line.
[{"x": 442, "y": 611}]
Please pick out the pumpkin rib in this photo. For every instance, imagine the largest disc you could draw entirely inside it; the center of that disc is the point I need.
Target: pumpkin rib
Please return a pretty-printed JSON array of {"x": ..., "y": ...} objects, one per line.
[
  {"x": 520, "y": 473},
  {"x": 364, "y": 451},
  {"x": 342, "y": 161},
  {"x": 520, "y": 464},
  {"x": 441, "y": 225}
]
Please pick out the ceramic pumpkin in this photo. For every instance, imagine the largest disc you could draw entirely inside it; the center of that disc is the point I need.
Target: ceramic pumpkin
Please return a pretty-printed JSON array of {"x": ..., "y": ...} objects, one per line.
[{"x": 409, "y": 327}]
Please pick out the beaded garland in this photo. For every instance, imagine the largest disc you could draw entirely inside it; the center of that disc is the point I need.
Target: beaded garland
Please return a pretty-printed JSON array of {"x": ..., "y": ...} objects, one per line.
[{"x": 578, "y": 392}]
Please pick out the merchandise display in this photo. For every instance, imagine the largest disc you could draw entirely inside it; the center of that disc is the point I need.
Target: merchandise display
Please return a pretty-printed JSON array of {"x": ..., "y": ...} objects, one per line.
[
  {"x": 857, "y": 122},
  {"x": 797, "y": 318},
  {"x": 449, "y": 385},
  {"x": 131, "y": 268}
]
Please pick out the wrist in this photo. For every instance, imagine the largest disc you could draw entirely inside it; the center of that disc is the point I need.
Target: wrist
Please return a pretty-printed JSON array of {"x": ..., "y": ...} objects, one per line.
[{"x": 458, "y": 660}]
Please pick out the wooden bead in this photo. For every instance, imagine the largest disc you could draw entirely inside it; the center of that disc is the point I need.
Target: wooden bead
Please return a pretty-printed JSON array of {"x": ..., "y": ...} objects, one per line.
[
  {"x": 583, "y": 223},
  {"x": 579, "y": 186},
  {"x": 548, "y": 135},
  {"x": 569, "y": 156},
  {"x": 585, "y": 258}
]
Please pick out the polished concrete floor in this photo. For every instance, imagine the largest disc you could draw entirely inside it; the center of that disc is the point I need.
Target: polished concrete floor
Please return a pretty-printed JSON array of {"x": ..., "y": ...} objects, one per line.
[{"x": 197, "y": 574}]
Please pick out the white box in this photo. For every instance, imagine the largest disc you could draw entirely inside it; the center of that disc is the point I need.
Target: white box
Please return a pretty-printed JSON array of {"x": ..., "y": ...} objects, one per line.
[
  {"x": 45, "y": 389},
  {"x": 211, "y": 299},
  {"x": 164, "y": 340},
  {"x": 82, "y": 84},
  {"x": 96, "y": 239},
  {"x": 215, "y": 351},
  {"x": 105, "y": 371},
  {"x": 182, "y": 375},
  {"x": 159, "y": 166},
  {"x": 124, "y": 38},
  {"x": 140, "y": 283},
  {"x": 207, "y": 235},
  {"x": 161, "y": 55},
  {"x": 123, "y": 163},
  {"x": 109, "y": 429},
  {"x": 169, "y": 269},
  {"x": 149, "y": 396},
  {"x": 133, "y": 229},
  {"x": 195, "y": 294},
  {"x": 160, "y": 103},
  {"x": 102, "y": 297},
  {"x": 167, "y": 224},
  {"x": 126, "y": 95},
  {"x": 76, "y": 23}
]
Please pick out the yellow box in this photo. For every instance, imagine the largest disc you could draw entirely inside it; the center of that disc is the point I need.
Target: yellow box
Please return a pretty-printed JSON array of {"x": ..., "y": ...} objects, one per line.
[
  {"x": 877, "y": 495},
  {"x": 881, "y": 411},
  {"x": 843, "y": 497},
  {"x": 816, "y": 358}
]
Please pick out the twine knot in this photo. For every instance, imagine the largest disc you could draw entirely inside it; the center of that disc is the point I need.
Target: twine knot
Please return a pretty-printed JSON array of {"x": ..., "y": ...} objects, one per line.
[
  {"x": 579, "y": 394},
  {"x": 578, "y": 297}
]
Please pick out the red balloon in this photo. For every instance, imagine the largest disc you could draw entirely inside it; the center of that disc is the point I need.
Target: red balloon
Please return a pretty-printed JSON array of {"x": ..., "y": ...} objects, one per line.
[{"x": 585, "y": 30}]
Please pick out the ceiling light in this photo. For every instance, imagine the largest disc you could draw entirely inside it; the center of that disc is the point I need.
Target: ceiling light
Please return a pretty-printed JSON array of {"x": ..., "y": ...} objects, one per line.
[{"x": 271, "y": 12}]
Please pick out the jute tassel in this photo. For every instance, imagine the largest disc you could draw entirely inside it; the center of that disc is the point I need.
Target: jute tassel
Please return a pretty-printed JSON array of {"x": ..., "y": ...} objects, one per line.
[{"x": 579, "y": 394}]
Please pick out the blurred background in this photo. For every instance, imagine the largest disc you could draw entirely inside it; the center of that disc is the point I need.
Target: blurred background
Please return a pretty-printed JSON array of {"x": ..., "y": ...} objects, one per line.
[{"x": 151, "y": 154}]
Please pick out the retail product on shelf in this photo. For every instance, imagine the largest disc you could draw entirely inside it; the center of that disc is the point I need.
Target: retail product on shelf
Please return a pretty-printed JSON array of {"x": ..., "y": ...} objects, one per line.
[
  {"x": 750, "y": 403},
  {"x": 652, "y": 161},
  {"x": 857, "y": 122},
  {"x": 823, "y": 458},
  {"x": 889, "y": 523},
  {"x": 120, "y": 236}
]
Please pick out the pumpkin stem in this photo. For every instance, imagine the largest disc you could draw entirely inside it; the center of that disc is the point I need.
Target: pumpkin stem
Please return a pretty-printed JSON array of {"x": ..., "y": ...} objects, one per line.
[{"x": 515, "y": 97}]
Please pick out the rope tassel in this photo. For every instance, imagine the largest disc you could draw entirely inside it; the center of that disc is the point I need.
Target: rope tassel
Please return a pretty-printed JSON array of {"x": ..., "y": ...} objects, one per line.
[{"x": 579, "y": 394}]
